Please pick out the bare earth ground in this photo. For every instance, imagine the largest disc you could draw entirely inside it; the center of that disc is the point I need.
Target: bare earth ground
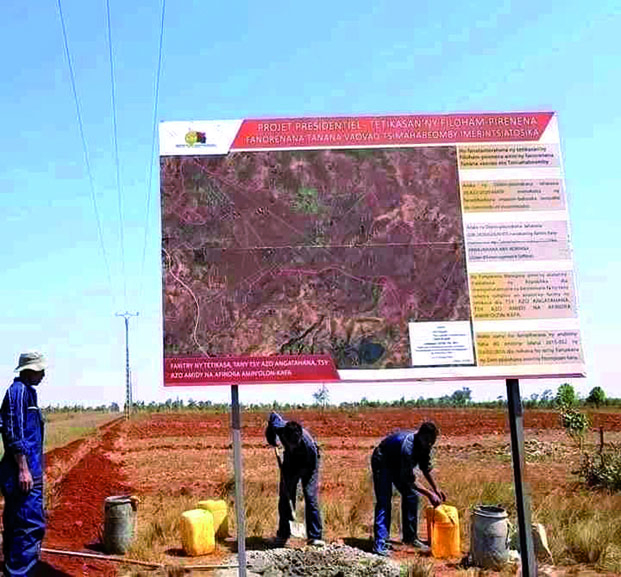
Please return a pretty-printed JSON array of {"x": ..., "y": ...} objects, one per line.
[{"x": 172, "y": 460}]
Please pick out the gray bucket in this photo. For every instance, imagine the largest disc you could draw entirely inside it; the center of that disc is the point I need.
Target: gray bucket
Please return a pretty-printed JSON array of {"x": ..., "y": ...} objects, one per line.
[
  {"x": 489, "y": 537},
  {"x": 119, "y": 523}
]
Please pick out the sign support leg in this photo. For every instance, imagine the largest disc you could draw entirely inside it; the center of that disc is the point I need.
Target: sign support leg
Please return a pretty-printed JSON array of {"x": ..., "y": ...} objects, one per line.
[
  {"x": 239, "y": 481},
  {"x": 522, "y": 498}
]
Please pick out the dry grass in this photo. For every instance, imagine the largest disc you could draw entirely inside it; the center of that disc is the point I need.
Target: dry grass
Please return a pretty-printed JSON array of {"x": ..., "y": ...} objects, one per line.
[
  {"x": 418, "y": 568},
  {"x": 157, "y": 531},
  {"x": 63, "y": 428},
  {"x": 582, "y": 527}
]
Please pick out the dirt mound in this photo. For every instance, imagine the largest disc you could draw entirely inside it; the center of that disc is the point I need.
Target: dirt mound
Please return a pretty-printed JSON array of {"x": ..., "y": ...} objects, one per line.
[
  {"x": 329, "y": 561},
  {"x": 77, "y": 516}
]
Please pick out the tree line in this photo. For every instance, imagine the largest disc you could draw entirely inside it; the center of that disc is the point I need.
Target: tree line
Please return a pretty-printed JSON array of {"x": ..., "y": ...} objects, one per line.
[{"x": 565, "y": 395}]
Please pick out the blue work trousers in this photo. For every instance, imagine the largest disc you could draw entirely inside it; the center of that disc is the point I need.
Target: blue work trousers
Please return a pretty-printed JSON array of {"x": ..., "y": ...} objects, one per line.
[
  {"x": 384, "y": 477},
  {"x": 24, "y": 527},
  {"x": 290, "y": 475}
]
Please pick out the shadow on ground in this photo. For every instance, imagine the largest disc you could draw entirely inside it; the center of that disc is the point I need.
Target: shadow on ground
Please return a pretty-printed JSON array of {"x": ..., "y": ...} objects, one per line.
[
  {"x": 365, "y": 545},
  {"x": 261, "y": 544},
  {"x": 46, "y": 570}
]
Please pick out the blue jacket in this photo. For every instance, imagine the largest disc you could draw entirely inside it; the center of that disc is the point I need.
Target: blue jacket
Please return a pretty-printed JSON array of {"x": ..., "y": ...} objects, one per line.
[
  {"x": 22, "y": 428},
  {"x": 401, "y": 455},
  {"x": 304, "y": 456}
]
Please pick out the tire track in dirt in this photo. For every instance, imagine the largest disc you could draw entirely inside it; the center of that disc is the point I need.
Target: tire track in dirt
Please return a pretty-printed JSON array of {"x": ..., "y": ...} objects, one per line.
[{"x": 76, "y": 519}]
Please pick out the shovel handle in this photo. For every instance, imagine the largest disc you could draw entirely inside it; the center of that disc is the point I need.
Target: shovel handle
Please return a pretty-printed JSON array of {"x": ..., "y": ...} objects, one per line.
[
  {"x": 278, "y": 458},
  {"x": 291, "y": 505}
]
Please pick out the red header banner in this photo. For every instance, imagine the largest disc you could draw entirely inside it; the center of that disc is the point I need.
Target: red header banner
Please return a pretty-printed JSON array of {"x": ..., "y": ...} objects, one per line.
[
  {"x": 193, "y": 371},
  {"x": 391, "y": 130}
]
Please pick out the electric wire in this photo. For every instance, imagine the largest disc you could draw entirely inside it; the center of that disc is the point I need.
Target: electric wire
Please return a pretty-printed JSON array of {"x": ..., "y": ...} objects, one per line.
[
  {"x": 84, "y": 146},
  {"x": 116, "y": 151},
  {"x": 153, "y": 142}
]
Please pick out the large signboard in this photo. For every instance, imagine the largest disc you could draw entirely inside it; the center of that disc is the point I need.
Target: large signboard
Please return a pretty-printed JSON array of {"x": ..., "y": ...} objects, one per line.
[{"x": 366, "y": 249}]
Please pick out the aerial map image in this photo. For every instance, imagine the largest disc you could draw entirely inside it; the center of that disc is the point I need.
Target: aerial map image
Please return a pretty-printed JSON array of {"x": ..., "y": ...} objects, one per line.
[{"x": 311, "y": 252}]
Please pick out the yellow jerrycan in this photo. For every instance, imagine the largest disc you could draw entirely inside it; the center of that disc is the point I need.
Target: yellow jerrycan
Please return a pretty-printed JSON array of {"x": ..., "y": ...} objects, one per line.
[
  {"x": 443, "y": 531},
  {"x": 219, "y": 510},
  {"x": 197, "y": 534}
]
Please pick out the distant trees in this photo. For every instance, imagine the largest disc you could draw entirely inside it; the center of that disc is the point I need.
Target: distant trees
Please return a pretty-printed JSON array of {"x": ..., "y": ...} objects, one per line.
[
  {"x": 461, "y": 398},
  {"x": 322, "y": 397},
  {"x": 596, "y": 397},
  {"x": 566, "y": 396}
]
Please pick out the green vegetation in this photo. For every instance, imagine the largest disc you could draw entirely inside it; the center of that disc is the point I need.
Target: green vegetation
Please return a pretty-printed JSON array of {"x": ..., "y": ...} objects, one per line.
[
  {"x": 566, "y": 396},
  {"x": 599, "y": 469},
  {"x": 360, "y": 153},
  {"x": 208, "y": 194},
  {"x": 597, "y": 397},
  {"x": 63, "y": 428},
  {"x": 322, "y": 397},
  {"x": 65, "y": 425},
  {"x": 575, "y": 423},
  {"x": 307, "y": 201},
  {"x": 460, "y": 398},
  {"x": 602, "y": 470}
]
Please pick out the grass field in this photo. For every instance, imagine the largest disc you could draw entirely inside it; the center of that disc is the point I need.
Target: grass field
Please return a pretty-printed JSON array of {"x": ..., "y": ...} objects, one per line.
[
  {"x": 63, "y": 428},
  {"x": 174, "y": 460},
  {"x": 66, "y": 427}
]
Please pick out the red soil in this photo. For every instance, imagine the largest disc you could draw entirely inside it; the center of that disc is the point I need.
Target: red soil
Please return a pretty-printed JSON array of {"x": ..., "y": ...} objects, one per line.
[
  {"x": 76, "y": 520},
  {"x": 366, "y": 423},
  {"x": 62, "y": 454},
  {"x": 77, "y": 516}
]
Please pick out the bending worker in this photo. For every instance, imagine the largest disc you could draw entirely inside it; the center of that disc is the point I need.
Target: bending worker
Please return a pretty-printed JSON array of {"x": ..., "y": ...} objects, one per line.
[
  {"x": 393, "y": 463},
  {"x": 21, "y": 469},
  {"x": 300, "y": 463}
]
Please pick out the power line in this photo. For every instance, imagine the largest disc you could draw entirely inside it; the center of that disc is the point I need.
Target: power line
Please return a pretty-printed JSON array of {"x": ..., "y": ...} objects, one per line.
[
  {"x": 116, "y": 151},
  {"x": 153, "y": 141},
  {"x": 84, "y": 147}
]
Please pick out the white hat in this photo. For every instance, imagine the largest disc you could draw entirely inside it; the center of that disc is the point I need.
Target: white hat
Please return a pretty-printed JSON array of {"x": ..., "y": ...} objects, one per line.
[{"x": 33, "y": 360}]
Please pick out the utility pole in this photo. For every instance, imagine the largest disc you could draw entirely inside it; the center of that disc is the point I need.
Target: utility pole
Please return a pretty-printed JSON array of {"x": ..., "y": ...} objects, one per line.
[{"x": 128, "y": 385}]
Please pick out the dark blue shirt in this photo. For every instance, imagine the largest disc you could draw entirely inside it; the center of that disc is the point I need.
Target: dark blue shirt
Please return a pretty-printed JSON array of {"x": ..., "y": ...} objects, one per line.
[
  {"x": 305, "y": 455},
  {"x": 22, "y": 427},
  {"x": 401, "y": 455}
]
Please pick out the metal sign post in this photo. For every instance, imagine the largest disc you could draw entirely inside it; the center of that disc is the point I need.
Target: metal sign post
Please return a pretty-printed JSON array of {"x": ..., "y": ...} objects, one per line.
[
  {"x": 239, "y": 481},
  {"x": 522, "y": 498}
]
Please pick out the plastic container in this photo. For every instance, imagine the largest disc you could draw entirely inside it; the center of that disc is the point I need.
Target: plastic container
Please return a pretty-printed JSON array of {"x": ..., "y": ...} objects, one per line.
[
  {"x": 197, "y": 534},
  {"x": 443, "y": 531},
  {"x": 119, "y": 523},
  {"x": 219, "y": 510},
  {"x": 489, "y": 537}
]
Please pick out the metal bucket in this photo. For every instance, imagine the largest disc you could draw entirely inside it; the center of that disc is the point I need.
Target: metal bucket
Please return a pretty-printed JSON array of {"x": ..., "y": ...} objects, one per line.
[
  {"x": 119, "y": 523},
  {"x": 489, "y": 537}
]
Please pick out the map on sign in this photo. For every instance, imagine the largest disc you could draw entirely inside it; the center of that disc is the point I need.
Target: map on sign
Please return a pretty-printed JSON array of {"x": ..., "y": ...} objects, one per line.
[
  {"x": 365, "y": 249},
  {"x": 312, "y": 252}
]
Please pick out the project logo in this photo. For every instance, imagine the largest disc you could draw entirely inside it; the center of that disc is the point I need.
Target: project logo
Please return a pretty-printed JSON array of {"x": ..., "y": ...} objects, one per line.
[{"x": 193, "y": 137}]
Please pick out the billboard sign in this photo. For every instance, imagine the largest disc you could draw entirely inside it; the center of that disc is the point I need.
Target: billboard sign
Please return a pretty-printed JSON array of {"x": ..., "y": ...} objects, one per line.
[{"x": 365, "y": 249}]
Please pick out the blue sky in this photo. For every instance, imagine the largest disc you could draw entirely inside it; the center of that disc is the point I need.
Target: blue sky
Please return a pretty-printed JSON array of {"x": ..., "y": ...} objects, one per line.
[{"x": 249, "y": 59}]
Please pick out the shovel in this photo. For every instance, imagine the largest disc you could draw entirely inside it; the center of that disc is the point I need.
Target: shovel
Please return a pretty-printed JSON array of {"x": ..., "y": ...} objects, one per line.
[{"x": 298, "y": 530}]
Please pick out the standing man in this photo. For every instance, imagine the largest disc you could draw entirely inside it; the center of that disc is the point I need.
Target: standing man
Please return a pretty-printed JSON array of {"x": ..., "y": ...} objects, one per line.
[
  {"x": 301, "y": 462},
  {"x": 393, "y": 463},
  {"x": 21, "y": 469}
]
